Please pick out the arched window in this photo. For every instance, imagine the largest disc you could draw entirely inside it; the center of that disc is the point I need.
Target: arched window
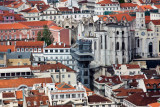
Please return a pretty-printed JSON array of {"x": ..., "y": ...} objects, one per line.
[
  {"x": 122, "y": 32},
  {"x": 117, "y": 46},
  {"x": 95, "y": 45},
  {"x": 117, "y": 32},
  {"x": 101, "y": 42},
  {"x": 138, "y": 42},
  {"x": 123, "y": 46},
  {"x": 105, "y": 41}
]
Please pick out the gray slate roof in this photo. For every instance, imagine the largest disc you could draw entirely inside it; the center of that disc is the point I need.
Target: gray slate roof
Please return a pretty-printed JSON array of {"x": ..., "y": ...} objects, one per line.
[{"x": 19, "y": 55}]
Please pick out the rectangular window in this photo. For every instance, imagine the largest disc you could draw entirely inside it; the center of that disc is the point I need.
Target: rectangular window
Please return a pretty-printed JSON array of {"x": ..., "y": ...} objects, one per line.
[
  {"x": 66, "y": 50},
  {"x": 27, "y": 36},
  {"x": 22, "y": 49},
  {"x": 61, "y": 50},
  {"x": 63, "y": 76},
  {"x": 46, "y": 51},
  {"x": 57, "y": 76},
  {"x": 26, "y": 49},
  {"x": 56, "y": 50},
  {"x": 39, "y": 49},
  {"x": 15, "y": 37},
  {"x": 33, "y": 33},
  {"x": 31, "y": 49},
  {"x": 35, "y": 49},
  {"x": 5, "y": 37},
  {"x": 159, "y": 46},
  {"x": 69, "y": 75},
  {"x": 20, "y": 37},
  {"x": 18, "y": 50},
  {"x": 10, "y": 37},
  {"x": 51, "y": 51}
]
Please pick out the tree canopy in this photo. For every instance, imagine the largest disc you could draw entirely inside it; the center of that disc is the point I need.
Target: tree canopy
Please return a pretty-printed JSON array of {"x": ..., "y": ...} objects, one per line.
[{"x": 45, "y": 35}]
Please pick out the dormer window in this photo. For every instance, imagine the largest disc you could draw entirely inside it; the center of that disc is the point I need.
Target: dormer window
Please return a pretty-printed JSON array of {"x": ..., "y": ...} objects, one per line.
[
  {"x": 35, "y": 103},
  {"x": 41, "y": 102},
  {"x": 148, "y": 85},
  {"x": 29, "y": 103}
]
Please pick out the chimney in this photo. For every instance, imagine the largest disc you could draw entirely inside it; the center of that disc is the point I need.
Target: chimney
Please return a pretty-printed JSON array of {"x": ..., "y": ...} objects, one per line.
[{"x": 54, "y": 43}]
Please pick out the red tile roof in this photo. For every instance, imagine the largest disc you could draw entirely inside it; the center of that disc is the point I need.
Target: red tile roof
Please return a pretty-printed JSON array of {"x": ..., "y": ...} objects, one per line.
[
  {"x": 38, "y": 23},
  {"x": 44, "y": 67},
  {"x": 158, "y": 6},
  {"x": 4, "y": 48},
  {"x": 149, "y": 30},
  {"x": 106, "y": 2},
  {"x": 16, "y": 4},
  {"x": 121, "y": 15},
  {"x": 8, "y": 94},
  {"x": 67, "y": 9},
  {"x": 57, "y": 45},
  {"x": 36, "y": 2},
  {"x": 42, "y": 7},
  {"x": 143, "y": 99},
  {"x": 37, "y": 99},
  {"x": 129, "y": 66},
  {"x": 157, "y": 104},
  {"x": 56, "y": 28},
  {"x": 97, "y": 99},
  {"x": 30, "y": 10},
  {"x": 124, "y": 5},
  {"x": 156, "y": 22},
  {"x": 19, "y": 95},
  {"x": 63, "y": 0},
  {"x": 145, "y": 7},
  {"x": 11, "y": 83},
  {"x": 113, "y": 80},
  {"x": 129, "y": 77},
  {"x": 152, "y": 83},
  {"x": 29, "y": 44},
  {"x": 126, "y": 92},
  {"x": 11, "y": 26}
]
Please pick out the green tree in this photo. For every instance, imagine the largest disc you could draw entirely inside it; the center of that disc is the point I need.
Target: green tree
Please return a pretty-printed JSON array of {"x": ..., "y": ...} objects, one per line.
[
  {"x": 45, "y": 35},
  {"x": 121, "y": 1}
]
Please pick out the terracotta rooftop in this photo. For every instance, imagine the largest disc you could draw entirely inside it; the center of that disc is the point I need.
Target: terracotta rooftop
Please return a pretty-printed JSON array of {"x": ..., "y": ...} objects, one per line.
[
  {"x": 37, "y": 99},
  {"x": 110, "y": 80},
  {"x": 129, "y": 66},
  {"x": 38, "y": 23},
  {"x": 126, "y": 92},
  {"x": 29, "y": 44},
  {"x": 157, "y": 104},
  {"x": 30, "y": 10},
  {"x": 67, "y": 9},
  {"x": 19, "y": 95},
  {"x": 121, "y": 15},
  {"x": 56, "y": 28},
  {"x": 152, "y": 83},
  {"x": 124, "y": 5},
  {"x": 8, "y": 94},
  {"x": 130, "y": 77},
  {"x": 143, "y": 99},
  {"x": 15, "y": 4},
  {"x": 156, "y": 22},
  {"x": 97, "y": 99},
  {"x": 106, "y": 2},
  {"x": 4, "y": 48},
  {"x": 145, "y": 7},
  {"x": 11, "y": 26},
  {"x": 23, "y": 81},
  {"x": 58, "y": 45}
]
